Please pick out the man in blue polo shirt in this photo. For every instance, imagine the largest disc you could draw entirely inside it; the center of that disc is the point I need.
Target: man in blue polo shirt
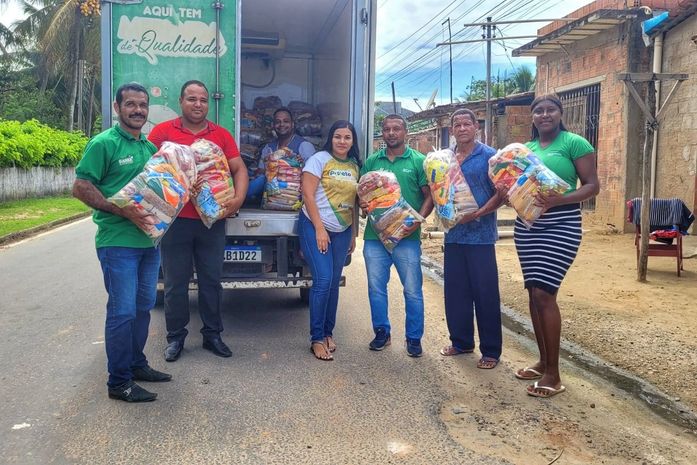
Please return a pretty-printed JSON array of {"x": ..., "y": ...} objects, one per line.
[
  {"x": 407, "y": 165},
  {"x": 471, "y": 275}
]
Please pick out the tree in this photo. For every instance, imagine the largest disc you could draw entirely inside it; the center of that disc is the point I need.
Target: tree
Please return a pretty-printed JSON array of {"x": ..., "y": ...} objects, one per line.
[
  {"x": 477, "y": 90},
  {"x": 523, "y": 79},
  {"x": 20, "y": 101},
  {"x": 65, "y": 33}
]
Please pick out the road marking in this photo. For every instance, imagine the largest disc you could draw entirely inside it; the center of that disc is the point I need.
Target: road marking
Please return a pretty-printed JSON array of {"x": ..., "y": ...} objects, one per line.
[
  {"x": 50, "y": 231},
  {"x": 97, "y": 342},
  {"x": 21, "y": 426}
]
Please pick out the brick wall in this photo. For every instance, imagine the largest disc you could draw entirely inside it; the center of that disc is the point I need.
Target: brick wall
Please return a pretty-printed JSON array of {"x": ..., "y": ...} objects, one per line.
[
  {"x": 513, "y": 126},
  {"x": 422, "y": 142},
  {"x": 599, "y": 58},
  {"x": 677, "y": 138}
]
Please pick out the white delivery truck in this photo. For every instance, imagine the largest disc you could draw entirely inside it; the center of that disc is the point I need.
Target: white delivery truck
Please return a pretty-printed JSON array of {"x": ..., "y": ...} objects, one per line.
[{"x": 253, "y": 55}]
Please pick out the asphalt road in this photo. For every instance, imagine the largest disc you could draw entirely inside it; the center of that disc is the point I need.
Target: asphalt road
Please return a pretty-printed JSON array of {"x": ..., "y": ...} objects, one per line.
[{"x": 272, "y": 402}]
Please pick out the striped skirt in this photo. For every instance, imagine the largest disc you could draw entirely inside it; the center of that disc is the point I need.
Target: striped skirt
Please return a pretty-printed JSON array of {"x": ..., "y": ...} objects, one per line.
[{"x": 549, "y": 247}]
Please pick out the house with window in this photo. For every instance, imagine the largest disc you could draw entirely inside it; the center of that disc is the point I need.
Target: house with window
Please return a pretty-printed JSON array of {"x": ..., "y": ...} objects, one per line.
[
  {"x": 579, "y": 60},
  {"x": 510, "y": 122}
]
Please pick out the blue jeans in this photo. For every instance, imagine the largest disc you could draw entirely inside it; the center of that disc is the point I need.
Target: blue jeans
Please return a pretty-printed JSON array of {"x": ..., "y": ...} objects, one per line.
[
  {"x": 406, "y": 257},
  {"x": 256, "y": 186},
  {"x": 326, "y": 273},
  {"x": 130, "y": 279}
]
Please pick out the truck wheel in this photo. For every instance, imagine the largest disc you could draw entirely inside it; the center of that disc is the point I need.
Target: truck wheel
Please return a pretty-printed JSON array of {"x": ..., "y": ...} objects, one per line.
[{"x": 305, "y": 295}]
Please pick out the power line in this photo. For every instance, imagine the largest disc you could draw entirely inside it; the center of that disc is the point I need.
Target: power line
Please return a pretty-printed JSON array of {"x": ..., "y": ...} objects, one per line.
[
  {"x": 419, "y": 29},
  {"x": 382, "y": 4},
  {"x": 406, "y": 50},
  {"x": 409, "y": 68},
  {"x": 422, "y": 61},
  {"x": 502, "y": 9}
]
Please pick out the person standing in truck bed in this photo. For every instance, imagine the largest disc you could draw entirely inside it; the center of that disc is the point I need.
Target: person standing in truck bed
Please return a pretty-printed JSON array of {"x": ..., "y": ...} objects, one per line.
[
  {"x": 286, "y": 137},
  {"x": 189, "y": 242}
]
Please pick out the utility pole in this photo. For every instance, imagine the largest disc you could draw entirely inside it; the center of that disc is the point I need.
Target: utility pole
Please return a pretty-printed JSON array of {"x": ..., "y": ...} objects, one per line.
[
  {"x": 487, "y": 123},
  {"x": 394, "y": 99},
  {"x": 450, "y": 39},
  {"x": 653, "y": 119},
  {"x": 488, "y": 37}
]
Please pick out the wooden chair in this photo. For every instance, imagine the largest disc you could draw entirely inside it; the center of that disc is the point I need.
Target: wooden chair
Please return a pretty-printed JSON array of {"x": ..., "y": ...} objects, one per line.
[
  {"x": 664, "y": 214},
  {"x": 660, "y": 249}
]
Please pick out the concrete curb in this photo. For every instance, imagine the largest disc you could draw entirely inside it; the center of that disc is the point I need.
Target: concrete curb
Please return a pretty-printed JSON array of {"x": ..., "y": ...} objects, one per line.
[
  {"x": 20, "y": 235},
  {"x": 655, "y": 399}
]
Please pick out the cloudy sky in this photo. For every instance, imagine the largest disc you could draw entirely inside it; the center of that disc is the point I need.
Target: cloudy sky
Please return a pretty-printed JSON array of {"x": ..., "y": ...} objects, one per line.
[{"x": 408, "y": 31}]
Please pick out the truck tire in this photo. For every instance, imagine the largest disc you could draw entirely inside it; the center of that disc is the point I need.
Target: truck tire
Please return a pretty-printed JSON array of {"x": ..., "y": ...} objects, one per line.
[{"x": 305, "y": 295}]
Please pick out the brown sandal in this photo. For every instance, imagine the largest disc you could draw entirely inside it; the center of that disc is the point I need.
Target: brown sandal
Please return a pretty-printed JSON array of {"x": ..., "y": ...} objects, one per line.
[
  {"x": 325, "y": 355},
  {"x": 487, "y": 363},
  {"x": 449, "y": 351}
]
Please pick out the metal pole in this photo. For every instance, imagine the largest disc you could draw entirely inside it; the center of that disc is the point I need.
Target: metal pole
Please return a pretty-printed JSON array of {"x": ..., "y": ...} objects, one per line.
[
  {"x": 394, "y": 99},
  {"x": 450, "y": 40},
  {"x": 487, "y": 122}
]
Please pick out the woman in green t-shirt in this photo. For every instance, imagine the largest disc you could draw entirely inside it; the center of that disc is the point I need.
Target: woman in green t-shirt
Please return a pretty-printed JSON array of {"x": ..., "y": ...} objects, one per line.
[{"x": 548, "y": 248}]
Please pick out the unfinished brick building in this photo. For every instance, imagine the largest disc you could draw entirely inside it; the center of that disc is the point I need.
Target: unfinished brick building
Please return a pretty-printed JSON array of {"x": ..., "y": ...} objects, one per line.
[{"x": 579, "y": 60}]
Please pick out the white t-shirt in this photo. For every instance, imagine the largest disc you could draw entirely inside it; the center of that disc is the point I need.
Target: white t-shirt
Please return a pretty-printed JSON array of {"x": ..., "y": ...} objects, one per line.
[{"x": 336, "y": 191}]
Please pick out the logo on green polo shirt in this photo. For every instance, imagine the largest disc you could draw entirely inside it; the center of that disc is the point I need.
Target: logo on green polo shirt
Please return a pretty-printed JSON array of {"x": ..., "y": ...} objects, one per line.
[{"x": 126, "y": 160}]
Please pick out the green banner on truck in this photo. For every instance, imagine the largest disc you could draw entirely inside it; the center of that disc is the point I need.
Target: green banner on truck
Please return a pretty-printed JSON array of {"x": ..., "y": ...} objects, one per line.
[{"x": 163, "y": 45}]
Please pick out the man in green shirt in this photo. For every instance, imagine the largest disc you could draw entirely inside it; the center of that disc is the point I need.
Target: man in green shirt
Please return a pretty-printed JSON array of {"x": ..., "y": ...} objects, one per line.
[
  {"x": 129, "y": 261},
  {"x": 407, "y": 165}
]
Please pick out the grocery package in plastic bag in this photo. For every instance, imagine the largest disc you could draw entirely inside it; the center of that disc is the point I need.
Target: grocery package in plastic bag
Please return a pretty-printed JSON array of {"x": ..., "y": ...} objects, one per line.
[
  {"x": 270, "y": 102},
  {"x": 524, "y": 175},
  {"x": 521, "y": 195},
  {"x": 284, "y": 171},
  {"x": 391, "y": 216},
  {"x": 506, "y": 166},
  {"x": 452, "y": 197},
  {"x": 162, "y": 188},
  {"x": 213, "y": 181}
]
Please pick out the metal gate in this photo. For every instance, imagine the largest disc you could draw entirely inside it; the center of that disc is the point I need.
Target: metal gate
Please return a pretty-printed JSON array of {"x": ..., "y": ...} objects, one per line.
[{"x": 582, "y": 116}]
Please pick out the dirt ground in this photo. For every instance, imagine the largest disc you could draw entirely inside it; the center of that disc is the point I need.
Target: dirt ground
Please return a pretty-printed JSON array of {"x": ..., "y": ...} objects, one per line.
[{"x": 646, "y": 328}]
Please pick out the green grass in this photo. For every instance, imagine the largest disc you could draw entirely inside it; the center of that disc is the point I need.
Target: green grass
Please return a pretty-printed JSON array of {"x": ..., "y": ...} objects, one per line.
[{"x": 18, "y": 215}]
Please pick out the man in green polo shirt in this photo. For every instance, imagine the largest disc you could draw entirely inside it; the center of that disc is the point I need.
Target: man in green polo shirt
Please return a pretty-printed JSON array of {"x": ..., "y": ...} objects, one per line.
[
  {"x": 129, "y": 261},
  {"x": 407, "y": 165}
]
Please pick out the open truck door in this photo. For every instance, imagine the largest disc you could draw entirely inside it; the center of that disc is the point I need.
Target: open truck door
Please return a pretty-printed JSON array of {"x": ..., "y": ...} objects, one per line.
[{"x": 317, "y": 52}]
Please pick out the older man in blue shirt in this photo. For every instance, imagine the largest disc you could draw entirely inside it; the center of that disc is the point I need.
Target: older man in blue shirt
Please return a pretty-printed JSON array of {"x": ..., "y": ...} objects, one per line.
[{"x": 471, "y": 275}]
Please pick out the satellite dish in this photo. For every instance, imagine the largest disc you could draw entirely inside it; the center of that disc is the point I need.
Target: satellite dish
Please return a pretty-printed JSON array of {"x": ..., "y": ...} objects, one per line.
[{"x": 431, "y": 101}]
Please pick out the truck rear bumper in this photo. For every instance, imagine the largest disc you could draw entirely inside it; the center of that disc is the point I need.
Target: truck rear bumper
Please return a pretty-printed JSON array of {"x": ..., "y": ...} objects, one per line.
[{"x": 263, "y": 283}]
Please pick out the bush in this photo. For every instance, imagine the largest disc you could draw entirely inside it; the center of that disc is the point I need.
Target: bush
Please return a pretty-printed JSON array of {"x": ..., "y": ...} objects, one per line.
[{"x": 28, "y": 144}]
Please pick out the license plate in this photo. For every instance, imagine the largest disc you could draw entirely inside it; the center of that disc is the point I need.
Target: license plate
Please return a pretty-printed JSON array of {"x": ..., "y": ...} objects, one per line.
[{"x": 242, "y": 253}]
